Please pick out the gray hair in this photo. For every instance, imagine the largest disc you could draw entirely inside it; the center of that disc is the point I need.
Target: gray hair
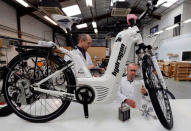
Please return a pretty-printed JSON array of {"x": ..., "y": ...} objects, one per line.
[
  {"x": 83, "y": 37},
  {"x": 131, "y": 64}
]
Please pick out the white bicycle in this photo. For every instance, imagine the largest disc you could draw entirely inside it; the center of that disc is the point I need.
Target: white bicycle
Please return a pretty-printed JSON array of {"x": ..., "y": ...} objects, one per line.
[{"x": 44, "y": 99}]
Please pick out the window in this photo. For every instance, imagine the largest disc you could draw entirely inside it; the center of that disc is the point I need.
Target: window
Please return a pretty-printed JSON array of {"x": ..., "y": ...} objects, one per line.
[
  {"x": 98, "y": 42},
  {"x": 177, "y": 20},
  {"x": 154, "y": 30},
  {"x": 186, "y": 56}
]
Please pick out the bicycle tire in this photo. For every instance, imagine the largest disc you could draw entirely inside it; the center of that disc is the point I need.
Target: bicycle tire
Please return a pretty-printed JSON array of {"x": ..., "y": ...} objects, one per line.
[
  {"x": 157, "y": 93},
  {"x": 5, "y": 111},
  {"x": 15, "y": 106}
]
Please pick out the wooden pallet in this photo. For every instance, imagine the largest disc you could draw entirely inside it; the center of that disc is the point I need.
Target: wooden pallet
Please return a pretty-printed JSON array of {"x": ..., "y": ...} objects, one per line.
[
  {"x": 182, "y": 79},
  {"x": 178, "y": 70}
]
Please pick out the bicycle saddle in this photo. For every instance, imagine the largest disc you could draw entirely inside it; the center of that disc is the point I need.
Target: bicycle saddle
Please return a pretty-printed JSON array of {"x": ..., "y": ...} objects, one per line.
[
  {"x": 131, "y": 19},
  {"x": 65, "y": 21}
]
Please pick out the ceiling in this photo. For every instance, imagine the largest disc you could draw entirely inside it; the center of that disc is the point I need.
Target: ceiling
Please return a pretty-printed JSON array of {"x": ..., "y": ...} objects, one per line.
[{"x": 100, "y": 12}]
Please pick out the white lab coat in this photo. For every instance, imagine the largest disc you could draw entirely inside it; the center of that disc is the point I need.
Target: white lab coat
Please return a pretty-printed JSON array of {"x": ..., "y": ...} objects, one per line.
[
  {"x": 88, "y": 60},
  {"x": 130, "y": 90}
]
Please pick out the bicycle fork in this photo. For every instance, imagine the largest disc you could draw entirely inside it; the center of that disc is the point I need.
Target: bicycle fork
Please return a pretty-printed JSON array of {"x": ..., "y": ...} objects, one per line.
[{"x": 157, "y": 68}]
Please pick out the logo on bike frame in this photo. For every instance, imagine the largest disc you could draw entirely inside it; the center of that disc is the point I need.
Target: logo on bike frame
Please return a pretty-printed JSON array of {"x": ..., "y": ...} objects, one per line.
[{"x": 120, "y": 56}]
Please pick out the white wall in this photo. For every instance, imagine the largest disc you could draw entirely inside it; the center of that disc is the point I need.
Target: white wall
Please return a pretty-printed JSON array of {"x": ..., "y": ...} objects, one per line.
[
  {"x": 166, "y": 20},
  {"x": 32, "y": 29},
  {"x": 8, "y": 19},
  {"x": 166, "y": 42},
  {"x": 186, "y": 15},
  {"x": 146, "y": 32},
  {"x": 6, "y": 10},
  {"x": 174, "y": 45},
  {"x": 8, "y": 27}
]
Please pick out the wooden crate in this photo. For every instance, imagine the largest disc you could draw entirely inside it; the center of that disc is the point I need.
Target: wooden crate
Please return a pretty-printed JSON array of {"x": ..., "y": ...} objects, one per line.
[
  {"x": 167, "y": 69},
  {"x": 161, "y": 65},
  {"x": 173, "y": 64},
  {"x": 183, "y": 71},
  {"x": 183, "y": 79}
]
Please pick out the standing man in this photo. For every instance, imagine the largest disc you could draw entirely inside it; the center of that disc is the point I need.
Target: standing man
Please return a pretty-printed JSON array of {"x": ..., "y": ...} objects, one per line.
[
  {"x": 126, "y": 91},
  {"x": 84, "y": 42}
]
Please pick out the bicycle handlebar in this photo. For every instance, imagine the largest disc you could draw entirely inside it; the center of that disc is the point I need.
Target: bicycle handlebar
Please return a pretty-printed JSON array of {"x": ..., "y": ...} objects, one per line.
[
  {"x": 150, "y": 9},
  {"x": 154, "y": 2},
  {"x": 143, "y": 47}
]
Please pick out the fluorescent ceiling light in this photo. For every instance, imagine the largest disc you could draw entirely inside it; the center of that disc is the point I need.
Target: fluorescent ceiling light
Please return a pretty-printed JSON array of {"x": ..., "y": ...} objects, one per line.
[
  {"x": 47, "y": 18},
  {"x": 94, "y": 24},
  {"x": 171, "y": 27},
  {"x": 159, "y": 32},
  {"x": 96, "y": 31},
  {"x": 72, "y": 10},
  {"x": 113, "y": 1},
  {"x": 89, "y": 3},
  {"x": 84, "y": 25},
  {"x": 167, "y": 4},
  {"x": 187, "y": 21},
  {"x": 22, "y": 2}
]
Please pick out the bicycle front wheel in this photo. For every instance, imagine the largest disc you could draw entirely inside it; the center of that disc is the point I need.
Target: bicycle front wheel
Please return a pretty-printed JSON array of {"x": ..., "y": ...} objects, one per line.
[
  {"x": 28, "y": 68},
  {"x": 157, "y": 93}
]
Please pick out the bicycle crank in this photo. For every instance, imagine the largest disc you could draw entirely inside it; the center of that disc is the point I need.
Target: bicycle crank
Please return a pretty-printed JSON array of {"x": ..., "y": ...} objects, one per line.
[{"x": 85, "y": 95}]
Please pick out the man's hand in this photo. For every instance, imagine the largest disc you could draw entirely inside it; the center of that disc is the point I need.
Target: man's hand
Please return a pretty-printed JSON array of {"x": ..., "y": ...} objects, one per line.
[
  {"x": 130, "y": 102},
  {"x": 91, "y": 67},
  {"x": 143, "y": 90},
  {"x": 102, "y": 70}
]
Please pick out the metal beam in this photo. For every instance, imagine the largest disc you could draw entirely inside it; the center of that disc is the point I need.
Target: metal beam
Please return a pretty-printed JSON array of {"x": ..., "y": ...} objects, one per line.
[
  {"x": 138, "y": 11},
  {"x": 133, "y": 10},
  {"x": 12, "y": 3},
  {"x": 97, "y": 18},
  {"x": 53, "y": 35},
  {"x": 25, "y": 11},
  {"x": 18, "y": 24}
]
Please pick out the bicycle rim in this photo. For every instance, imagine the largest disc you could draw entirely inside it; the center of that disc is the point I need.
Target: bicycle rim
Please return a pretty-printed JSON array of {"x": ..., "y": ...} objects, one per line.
[{"x": 30, "y": 105}]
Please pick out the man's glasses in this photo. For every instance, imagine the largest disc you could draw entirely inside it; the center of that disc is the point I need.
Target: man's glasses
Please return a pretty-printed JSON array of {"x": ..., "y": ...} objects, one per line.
[{"x": 89, "y": 42}]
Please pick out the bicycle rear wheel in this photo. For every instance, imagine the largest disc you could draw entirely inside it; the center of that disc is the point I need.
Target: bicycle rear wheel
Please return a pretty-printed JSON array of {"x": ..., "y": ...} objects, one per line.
[
  {"x": 157, "y": 93},
  {"x": 28, "y": 68}
]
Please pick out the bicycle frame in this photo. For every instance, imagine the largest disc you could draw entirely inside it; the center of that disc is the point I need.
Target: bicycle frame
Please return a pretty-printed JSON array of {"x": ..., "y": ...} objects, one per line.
[{"x": 106, "y": 86}]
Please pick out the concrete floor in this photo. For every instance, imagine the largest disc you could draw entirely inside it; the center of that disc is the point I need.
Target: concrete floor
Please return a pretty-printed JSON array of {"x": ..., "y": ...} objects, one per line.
[{"x": 180, "y": 89}]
